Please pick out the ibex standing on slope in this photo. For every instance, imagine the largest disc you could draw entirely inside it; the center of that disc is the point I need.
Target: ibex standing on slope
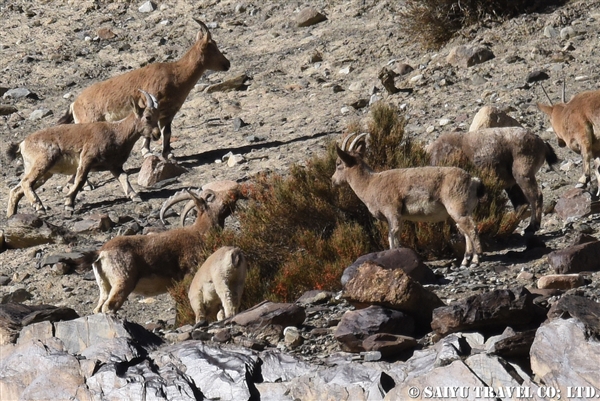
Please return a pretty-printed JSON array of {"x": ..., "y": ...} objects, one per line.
[
  {"x": 169, "y": 82},
  {"x": 149, "y": 264},
  {"x": 427, "y": 194},
  {"x": 513, "y": 154},
  {"x": 577, "y": 125},
  {"x": 81, "y": 148}
]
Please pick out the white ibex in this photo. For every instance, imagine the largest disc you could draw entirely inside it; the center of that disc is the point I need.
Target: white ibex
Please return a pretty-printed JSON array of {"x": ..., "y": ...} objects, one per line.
[
  {"x": 150, "y": 264},
  {"x": 170, "y": 82},
  {"x": 81, "y": 148},
  {"x": 513, "y": 154},
  {"x": 427, "y": 194},
  {"x": 216, "y": 290},
  {"x": 577, "y": 125}
]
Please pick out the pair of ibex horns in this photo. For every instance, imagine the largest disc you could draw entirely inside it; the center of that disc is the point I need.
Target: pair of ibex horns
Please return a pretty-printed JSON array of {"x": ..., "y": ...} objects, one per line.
[
  {"x": 150, "y": 100},
  {"x": 356, "y": 140},
  {"x": 563, "y": 96}
]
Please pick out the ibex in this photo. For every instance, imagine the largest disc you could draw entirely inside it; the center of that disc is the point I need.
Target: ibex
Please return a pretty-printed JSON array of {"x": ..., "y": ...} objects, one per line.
[
  {"x": 150, "y": 264},
  {"x": 170, "y": 82},
  {"x": 513, "y": 154},
  {"x": 577, "y": 125},
  {"x": 216, "y": 290},
  {"x": 427, "y": 194},
  {"x": 81, "y": 148}
]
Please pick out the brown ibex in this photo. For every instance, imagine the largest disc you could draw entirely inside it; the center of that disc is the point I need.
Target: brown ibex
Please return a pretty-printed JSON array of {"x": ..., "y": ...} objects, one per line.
[
  {"x": 150, "y": 264},
  {"x": 513, "y": 154},
  {"x": 427, "y": 194},
  {"x": 169, "y": 82},
  {"x": 80, "y": 148}
]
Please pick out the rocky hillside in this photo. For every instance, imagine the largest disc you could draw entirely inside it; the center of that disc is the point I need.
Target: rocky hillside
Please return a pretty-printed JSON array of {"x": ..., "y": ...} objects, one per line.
[{"x": 295, "y": 89}]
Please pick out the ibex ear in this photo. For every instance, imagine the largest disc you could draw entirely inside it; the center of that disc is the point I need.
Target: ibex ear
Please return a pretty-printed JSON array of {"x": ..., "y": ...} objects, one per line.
[
  {"x": 546, "y": 109},
  {"x": 361, "y": 148},
  {"x": 136, "y": 107},
  {"x": 347, "y": 158},
  {"x": 199, "y": 201}
]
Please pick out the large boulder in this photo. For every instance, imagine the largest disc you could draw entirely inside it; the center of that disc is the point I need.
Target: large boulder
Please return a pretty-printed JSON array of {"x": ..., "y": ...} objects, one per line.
[
  {"x": 490, "y": 312},
  {"x": 375, "y": 285},
  {"x": 564, "y": 355},
  {"x": 398, "y": 258},
  {"x": 467, "y": 56},
  {"x": 14, "y": 316},
  {"x": 490, "y": 117},
  {"x": 356, "y": 326},
  {"x": 576, "y": 258}
]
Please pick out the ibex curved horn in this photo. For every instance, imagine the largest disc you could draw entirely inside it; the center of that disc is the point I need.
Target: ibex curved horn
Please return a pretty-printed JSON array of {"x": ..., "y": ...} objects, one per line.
[
  {"x": 203, "y": 27},
  {"x": 177, "y": 197},
  {"x": 545, "y": 93},
  {"x": 357, "y": 140},
  {"x": 564, "y": 85},
  {"x": 346, "y": 139},
  {"x": 150, "y": 99}
]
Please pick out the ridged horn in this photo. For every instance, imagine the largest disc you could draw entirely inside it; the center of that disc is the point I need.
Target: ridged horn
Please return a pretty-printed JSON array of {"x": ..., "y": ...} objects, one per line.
[
  {"x": 177, "y": 197},
  {"x": 203, "y": 27},
  {"x": 356, "y": 140},
  {"x": 546, "y": 93},
  {"x": 150, "y": 100},
  {"x": 564, "y": 86},
  {"x": 345, "y": 141},
  {"x": 188, "y": 207}
]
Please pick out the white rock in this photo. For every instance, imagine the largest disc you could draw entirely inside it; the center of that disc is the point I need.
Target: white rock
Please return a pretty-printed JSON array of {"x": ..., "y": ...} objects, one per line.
[
  {"x": 147, "y": 7},
  {"x": 346, "y": 70},
  {"x": 374, "y": 99},
  {"x": 550, "y": 32},
  {"x": 235, "y": 160},
  {"x": 444, "y": 121},
  {"x": 567, "y": 33}
]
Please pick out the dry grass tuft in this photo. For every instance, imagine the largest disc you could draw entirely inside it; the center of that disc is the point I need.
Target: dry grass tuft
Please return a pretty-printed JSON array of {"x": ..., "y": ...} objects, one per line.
[{"x": 434, "y": 22}]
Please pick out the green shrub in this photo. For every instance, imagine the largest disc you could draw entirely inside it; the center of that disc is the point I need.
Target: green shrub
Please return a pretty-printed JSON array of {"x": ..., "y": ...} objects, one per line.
[{"x": 434, "y": 22}]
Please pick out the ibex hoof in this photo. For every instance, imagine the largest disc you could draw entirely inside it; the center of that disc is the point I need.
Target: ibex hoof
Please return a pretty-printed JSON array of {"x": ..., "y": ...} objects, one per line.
[
  {"x": 69, "y": 208},
  {"x": 201, "y": 323},
  {"x": 169, "y": 158}
]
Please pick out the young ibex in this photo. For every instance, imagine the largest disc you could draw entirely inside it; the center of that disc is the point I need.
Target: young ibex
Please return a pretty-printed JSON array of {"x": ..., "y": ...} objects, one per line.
[
  {"x": 150, "y": 264},
  {"x": 216, "y": 290},
  {"x": 428, "y": 194},
  {"x": 577, "y": 125},
  {"x": 513, "y": 154},
  {"x": 170, "y": 82},
  {"x": 81, "y": 148}
]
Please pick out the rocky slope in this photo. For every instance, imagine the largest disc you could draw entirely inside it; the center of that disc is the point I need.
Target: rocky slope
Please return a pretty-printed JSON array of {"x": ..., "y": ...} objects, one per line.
[{"x": 303, "y": 86}]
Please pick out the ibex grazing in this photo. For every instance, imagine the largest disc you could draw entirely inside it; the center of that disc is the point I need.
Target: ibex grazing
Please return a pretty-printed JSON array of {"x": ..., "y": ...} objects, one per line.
[
  {"x": 150, "y": 264},
  {"x": 81, "y": 148},
  {"x": 427, "y": 194},
  {"x": 577, "y": 125},
  {"x": 216, "y": 290},
  {"x": 170, "y": 82},
  {"x": 513, "y": 154}
]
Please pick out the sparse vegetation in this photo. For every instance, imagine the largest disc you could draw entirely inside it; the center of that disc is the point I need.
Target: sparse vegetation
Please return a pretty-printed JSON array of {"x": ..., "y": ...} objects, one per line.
[
  {"x": 299, "y": 233},
  {"x": 434, "y": 22}
]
